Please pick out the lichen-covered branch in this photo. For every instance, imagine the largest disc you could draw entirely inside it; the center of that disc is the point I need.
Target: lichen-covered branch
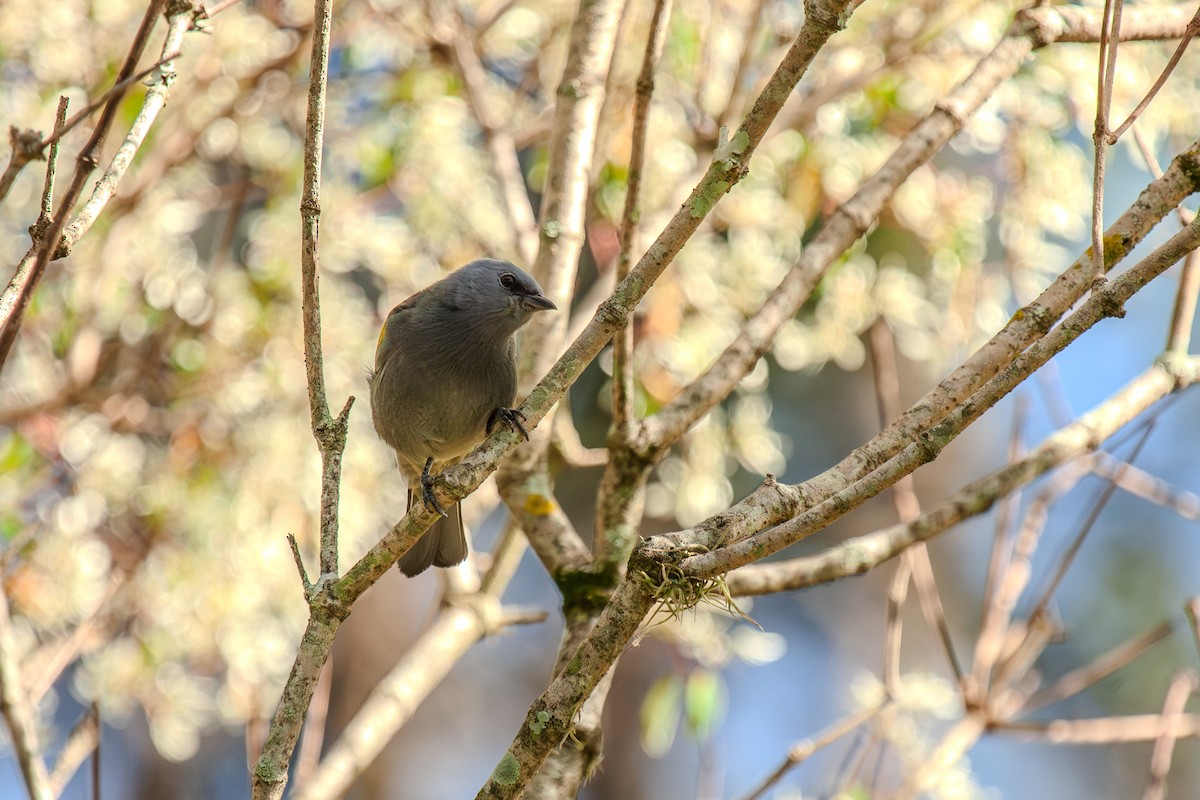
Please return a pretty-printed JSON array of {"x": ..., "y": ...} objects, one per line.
[
  {"x": 325, "y": 614},
  {"x": 549, "y": 719}
]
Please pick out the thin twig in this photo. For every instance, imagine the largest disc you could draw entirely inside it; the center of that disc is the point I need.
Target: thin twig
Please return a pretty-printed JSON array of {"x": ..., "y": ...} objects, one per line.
[
  {"x": 26, "y": 147},
  {"x": 1105, "y": 730},
  {"x": 97, "y": 750},
  {"x": 19, "y": 716},
  {"x": 1192, "y": 28},
  {"x": 1077, "y": 680},
  {"x": 1179, "y": 336},
  {"x": 116, "y": 90},
  {"x": 621, "y": 500},
  {"x": 1110, "y": 35},
  {"x": 908, "y": 507},
  {"x": 1193, "y": 614},
  {"x": 622, "y": 381},
  {"x": 82, "y": 741},
  {"x": 46, "y": 217},
  {"x": 1141, "y": 484},
  {"x": 329, "y": 433},
  {"x": 803, "y": 750},
  {"x": 1000, "y": 559},
  {"x": 1182, "y": 685},
  {"x": 17, "y": 296},
  {"x": 1095, "y": 508}
]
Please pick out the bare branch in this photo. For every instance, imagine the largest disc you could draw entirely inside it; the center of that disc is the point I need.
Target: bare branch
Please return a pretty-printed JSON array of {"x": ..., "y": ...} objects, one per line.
[
  {"x": 802, "y": 751},
  {"x": 915, "y": 564},
  {"x": 1182, "y": 685},
  {"x": 1106, "y": 730},
  {"x": 1179, "y": 334},
  {"x": 1108, "y": 301},
  {"x": 26, "y": 146},
  {"x": 58, "y": 237},
  {"x": 1078, "y": 680},
  {"x": 81, "y": 742},
  {"x": 1148, "y": 487},
  {"x": 1109, "y": 36},
  {"x": 1192, "y": 28},
  {"x": 19, "y": 716},
  {"x": 631, "y": 214},
  {"x": 860, "y": 554},
  {"x": 326, "y": 613}
]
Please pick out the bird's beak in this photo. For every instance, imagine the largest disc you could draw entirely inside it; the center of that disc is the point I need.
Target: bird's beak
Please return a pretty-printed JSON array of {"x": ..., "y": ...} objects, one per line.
[{"x": 537, "y": 302}]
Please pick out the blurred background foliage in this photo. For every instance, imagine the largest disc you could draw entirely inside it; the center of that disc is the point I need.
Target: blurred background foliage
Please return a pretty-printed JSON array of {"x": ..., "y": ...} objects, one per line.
[{"x": 154, "y": 440}]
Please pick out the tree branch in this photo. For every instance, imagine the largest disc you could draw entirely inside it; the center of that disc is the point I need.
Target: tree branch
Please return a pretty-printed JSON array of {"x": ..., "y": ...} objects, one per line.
[
  {"x": 863, "y": 553},
  {"x": 19, "y": 716},
  {"x": 325, "y": 612},
  {"x": 58, "y": 237}
]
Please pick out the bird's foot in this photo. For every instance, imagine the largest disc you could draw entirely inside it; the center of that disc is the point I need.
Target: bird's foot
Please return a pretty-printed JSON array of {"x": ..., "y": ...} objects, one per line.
[
  {"x": 427, "y": 497},
  {"x": 510, "y": 417}
]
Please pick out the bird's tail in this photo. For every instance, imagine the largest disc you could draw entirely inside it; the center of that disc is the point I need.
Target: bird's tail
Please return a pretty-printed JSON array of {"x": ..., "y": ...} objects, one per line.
[{"x": 443, "y": 545}]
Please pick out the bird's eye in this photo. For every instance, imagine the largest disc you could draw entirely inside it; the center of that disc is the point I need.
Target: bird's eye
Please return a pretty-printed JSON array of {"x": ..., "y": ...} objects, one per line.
[{"x": 508, "y": 280}]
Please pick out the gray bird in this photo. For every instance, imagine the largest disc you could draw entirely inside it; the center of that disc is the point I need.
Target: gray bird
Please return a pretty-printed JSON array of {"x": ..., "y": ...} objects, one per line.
[{"x": 445, "y": 374}]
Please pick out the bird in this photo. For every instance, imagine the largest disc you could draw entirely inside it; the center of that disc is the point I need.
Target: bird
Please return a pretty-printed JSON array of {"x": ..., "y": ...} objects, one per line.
[{"x": 445, "y": 375}]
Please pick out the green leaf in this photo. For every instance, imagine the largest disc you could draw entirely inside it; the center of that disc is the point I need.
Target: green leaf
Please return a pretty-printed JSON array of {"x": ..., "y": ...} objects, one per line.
[
  {"x": 660, "y": 715},
  {"x": 704, "y": 702}
]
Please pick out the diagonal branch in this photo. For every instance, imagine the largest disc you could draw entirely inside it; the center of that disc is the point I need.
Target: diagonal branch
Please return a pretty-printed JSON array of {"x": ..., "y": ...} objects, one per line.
[
  {"x": 58, "y": 237},
  {"x": 863, "y": 553},
  {"x": 727, "y": 167},
  {"x": 19, "y": 716},
  {"x": 773, "y": 503},
  {"x": 1105, "y": 302}
]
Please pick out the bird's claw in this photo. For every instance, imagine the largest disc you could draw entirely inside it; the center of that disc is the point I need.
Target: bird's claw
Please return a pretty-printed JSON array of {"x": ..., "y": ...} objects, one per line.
[
  {"x": 427, "y": 496},
  {"x": 511, "y": 417}
]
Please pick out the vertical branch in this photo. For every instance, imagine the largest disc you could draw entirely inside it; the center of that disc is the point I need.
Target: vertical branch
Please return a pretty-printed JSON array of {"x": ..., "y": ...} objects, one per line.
[
  {"x": 46, "y": 217},
  {"x": 1109, "y": 36},
  {"x": 576, "y": 117},
  {"x": 561, "y": 232},
  {"x": 915, "y": 564},
  {"x": 330, "y": 434},
  {"x": 620, "y": 502},
  {"x": 622, "y": 389},
  {"x": 326, "y": 609},
  {"x": 1183, "y": 685}
]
